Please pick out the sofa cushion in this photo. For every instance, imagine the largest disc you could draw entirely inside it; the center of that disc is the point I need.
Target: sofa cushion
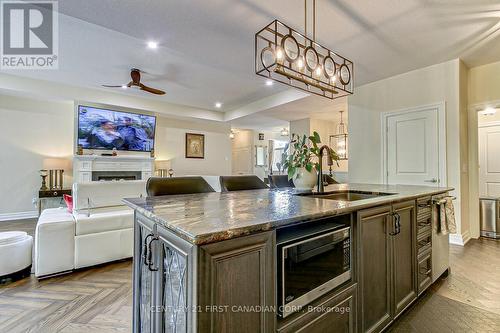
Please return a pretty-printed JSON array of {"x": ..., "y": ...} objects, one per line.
[
  {"x": 95, "y": 249},
  {"x": 54, "y": 242},
  {"x": 103, "y": 219},
  {"x": 106, "y": 194}
]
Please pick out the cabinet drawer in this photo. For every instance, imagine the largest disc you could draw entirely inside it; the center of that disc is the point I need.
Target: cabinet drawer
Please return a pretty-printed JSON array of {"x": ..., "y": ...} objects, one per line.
[
  {"x": 424, "y": 231},
  {"x": 424, "y": 242},
  {"x": 338, "y": 311},
  {"x": 424, "y": 272},
  {"x": 423, "y": 208},
  {"x": 424, "y": 219}
]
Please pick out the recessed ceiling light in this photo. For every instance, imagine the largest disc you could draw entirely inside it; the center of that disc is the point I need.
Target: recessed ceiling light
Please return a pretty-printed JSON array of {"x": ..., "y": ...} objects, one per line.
[
  {"x": 489, "y": 111},
  {"x": 124, "y": 86},
  {"x": 152, "y": 44},
  {"x": 218, "y": 105},
  {"x": 269, "y": 82}
]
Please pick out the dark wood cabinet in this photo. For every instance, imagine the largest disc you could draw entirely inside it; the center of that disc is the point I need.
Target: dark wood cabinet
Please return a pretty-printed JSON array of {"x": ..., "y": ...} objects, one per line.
[
  {"x": 239, "y": 276},
  {"x": 387, "y": 264},
  {"x": 163, "y": 283},
  {"x": 374, "y": 226},
  {"x": 230, "y": 286},
  {"x": 404, "y": 256}
]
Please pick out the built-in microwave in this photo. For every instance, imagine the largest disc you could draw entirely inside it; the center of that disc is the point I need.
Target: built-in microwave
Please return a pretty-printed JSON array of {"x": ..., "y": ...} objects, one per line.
[{"x": 311, "y": 262}]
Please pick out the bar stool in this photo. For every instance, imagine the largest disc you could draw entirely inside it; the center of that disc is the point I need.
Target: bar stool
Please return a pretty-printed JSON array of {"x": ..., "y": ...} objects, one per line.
[
  {"x": 240, "y": 183},
  {"x": 279, "y": 181},
  {"x": 157, "y": 186}
]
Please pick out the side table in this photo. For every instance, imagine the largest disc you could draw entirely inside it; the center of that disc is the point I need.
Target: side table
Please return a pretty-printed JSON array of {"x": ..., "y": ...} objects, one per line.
[{"x": 54, "y": 193}]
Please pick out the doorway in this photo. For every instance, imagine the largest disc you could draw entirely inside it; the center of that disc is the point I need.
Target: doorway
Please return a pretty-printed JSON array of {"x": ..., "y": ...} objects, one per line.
[
  {"x": 489, "y": 159},
  {"x": 414, "y": 146},
  {"x": 484, "y": 164}
]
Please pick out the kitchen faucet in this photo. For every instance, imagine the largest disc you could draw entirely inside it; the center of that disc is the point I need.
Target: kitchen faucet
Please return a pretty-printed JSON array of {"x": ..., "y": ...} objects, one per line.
[{"x": 321, "y": 188}]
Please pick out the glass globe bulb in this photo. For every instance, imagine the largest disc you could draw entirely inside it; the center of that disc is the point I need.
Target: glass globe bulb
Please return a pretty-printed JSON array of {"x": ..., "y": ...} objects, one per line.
[
  {"x": 279, "y": 53},
  {"x": 318, "y": 71},
  {"x": 300, "y": 63}
]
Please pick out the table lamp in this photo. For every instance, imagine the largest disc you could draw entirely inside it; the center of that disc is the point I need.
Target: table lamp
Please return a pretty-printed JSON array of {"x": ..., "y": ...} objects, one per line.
[{"x": 162, "y": 167}]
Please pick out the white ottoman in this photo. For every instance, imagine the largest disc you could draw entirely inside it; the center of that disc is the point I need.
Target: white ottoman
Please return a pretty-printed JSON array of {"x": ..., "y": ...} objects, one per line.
[{"x": 15, "y": 252}]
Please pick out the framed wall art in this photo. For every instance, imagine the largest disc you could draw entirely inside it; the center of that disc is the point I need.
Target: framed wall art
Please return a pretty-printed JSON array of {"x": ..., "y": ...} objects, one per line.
[{"x": 195, "y": 145}]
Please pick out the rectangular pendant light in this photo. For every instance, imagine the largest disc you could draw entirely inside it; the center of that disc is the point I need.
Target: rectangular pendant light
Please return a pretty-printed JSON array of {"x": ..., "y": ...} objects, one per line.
[{"x": 284, "y": 55}]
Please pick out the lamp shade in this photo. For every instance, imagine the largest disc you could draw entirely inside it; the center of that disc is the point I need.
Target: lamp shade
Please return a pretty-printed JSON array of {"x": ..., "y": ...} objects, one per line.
[
  {"x": 163, "y": 165},
  {"x": 56, "y": 164}
]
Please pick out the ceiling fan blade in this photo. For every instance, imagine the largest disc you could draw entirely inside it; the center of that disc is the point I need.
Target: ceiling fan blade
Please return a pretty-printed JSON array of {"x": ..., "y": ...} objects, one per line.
[
  {"x": 109, "y": 86},
  {"x": 152, "y": 90}
]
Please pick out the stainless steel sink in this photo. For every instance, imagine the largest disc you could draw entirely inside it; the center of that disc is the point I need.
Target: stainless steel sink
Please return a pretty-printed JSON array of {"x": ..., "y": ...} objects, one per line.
[{"x": 347, "y": 195}]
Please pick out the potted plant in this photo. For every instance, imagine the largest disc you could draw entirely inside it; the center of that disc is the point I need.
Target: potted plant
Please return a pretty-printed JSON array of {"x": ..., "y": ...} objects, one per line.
[{"x": 302, "y": 162}]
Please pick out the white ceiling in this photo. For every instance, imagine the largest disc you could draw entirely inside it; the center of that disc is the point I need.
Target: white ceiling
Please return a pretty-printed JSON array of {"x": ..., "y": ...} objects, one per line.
[{"x": 207, "y": 46}]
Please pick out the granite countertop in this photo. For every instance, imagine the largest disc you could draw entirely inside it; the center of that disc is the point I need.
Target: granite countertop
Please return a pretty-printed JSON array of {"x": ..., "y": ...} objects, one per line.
[{"x": 210, "y": 217}]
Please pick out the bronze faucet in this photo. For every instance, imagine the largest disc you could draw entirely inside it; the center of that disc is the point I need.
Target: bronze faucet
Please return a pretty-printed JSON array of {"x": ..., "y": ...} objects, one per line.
[{"x": 321, "y": 188}]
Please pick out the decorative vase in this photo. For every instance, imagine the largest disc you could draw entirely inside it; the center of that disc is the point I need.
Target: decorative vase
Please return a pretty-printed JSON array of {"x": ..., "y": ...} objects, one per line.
[{"x": 305, "y": 180}]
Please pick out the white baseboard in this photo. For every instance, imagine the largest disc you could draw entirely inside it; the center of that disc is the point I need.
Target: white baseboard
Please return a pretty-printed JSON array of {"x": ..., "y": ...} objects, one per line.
[
  {"x": 19, "y": 216},
  {"x": 460, "y": 239}
]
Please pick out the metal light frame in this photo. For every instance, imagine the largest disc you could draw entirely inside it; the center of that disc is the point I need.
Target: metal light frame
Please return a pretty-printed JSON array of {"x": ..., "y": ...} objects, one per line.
[
  {"x": 340, "y": 136},
  {"x": 310, "y": 67}
]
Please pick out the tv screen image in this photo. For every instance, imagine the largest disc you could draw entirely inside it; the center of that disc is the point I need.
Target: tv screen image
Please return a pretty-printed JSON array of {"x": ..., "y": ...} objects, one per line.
[{"x": 107, "y": 129}]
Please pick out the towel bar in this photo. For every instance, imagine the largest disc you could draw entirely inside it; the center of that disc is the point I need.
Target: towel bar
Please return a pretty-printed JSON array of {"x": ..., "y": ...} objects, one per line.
[{"x": 436, "y": 201}]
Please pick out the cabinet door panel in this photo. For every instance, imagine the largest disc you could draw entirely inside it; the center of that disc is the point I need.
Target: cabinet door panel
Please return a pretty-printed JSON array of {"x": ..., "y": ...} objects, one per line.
[
  {"x": 404, "y": 268},
  {"x": 239, "y": 278},
  {"x": 375, "y": 268},
  {"x": 174, "y": 288},
  {"x": 143, "y": 281}
]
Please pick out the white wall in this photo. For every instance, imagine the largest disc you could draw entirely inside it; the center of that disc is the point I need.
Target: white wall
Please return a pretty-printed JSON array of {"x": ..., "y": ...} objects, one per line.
[
  {"x": 484, "y": 84},
  {"x": 300, "y": 127},
  {"x": 32, "y": 130},
  {"x": 170, "y": 145},
  {"x": 430, "y": 85}
]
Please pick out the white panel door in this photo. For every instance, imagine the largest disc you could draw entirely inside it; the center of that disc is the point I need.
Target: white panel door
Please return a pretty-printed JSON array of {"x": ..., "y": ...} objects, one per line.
[
  {"x": 413, "y": 148},
  {"x": 242, "y": 161},
  {"x": 489, "y": 161}
]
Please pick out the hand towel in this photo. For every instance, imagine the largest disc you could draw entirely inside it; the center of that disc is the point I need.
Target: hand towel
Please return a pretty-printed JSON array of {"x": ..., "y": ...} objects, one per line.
[{"x": 446, "y": 223}]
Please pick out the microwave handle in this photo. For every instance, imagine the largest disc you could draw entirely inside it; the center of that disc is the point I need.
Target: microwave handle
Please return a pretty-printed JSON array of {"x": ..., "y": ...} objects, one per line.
[{"x": 288, "y": 245}]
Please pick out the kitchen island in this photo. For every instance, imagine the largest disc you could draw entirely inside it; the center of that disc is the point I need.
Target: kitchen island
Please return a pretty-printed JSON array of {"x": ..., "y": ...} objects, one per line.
[{"x": 224, "y": 262}]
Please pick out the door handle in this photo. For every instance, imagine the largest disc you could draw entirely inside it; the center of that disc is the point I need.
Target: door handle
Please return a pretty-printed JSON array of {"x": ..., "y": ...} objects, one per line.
[
  {"x": 394, "y": 226},
  {"x": 398, "y": 223},
  {"x": 145, "y": 250},
  {"x": 433, "y": 180},
  {"x": 150, "y": 255}
]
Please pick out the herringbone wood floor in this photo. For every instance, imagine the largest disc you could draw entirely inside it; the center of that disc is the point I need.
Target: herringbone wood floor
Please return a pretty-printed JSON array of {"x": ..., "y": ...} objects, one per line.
[
  {"x": 100, "y": 299},
  {"x": 90, "y": 300}
]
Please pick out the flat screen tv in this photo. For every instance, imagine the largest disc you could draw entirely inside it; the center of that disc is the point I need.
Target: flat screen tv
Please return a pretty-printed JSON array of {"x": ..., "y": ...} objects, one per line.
[{"x": 108, "y": 129}]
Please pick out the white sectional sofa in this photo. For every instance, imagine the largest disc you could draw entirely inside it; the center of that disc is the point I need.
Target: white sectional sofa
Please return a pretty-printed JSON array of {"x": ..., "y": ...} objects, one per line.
[{"x": 99, "y": 230}]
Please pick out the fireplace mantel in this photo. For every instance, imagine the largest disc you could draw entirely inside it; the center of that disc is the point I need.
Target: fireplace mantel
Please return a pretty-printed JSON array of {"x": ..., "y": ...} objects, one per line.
[{"x": 85, "y": 165}]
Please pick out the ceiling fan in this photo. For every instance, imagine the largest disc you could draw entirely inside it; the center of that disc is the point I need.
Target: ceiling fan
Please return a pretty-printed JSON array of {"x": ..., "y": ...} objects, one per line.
[{"x": 135, "y": 74}]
